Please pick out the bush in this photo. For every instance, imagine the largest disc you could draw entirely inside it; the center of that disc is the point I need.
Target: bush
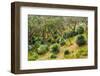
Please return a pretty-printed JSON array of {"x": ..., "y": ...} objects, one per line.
[
  {"x": 53, "y": 56},
  {"x": 69, "y": 34},
  {"x": 30, "y": 42},
  {"x": 73, "y": 33},
  {"x": 82, "y": 52},
  {"x": 55, "y": 36},
  {"x": 53, "y": 41},
  {"x": 36, "y": 39},
  {"x": 33, "y": 56},
  {"x": 33, "y": 40},
  {"x": 42, "y": 49},
  {"x": 62, "y": 41},
  {"x": 80, "y": 40},
  {"x": 55, "y": 32},
  {"x": 66, "y": 35},
  {"x": 66, "y": 52},
  {"x": 49, "y": 40},
  {"x": 30, "y": 47},
  {"x": 40, "y": 40},
  {"x": 37, "y": 44},
  {"x": 55, "y": 48},
  {"x": 80, "y": 30},
  {"x": 57, "y": 40}
]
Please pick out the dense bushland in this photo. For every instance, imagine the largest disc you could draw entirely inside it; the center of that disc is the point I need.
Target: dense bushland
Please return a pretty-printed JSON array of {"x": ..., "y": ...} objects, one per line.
[{"x": 56, "y": 37}]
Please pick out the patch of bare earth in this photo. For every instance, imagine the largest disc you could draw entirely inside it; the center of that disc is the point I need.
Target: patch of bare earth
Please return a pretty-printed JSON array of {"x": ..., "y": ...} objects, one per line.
[{"x": 71, "y": 48}]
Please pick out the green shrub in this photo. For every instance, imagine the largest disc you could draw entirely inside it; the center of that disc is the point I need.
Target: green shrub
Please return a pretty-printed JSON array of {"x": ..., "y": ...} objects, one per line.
[
  {"x": 53, "y": 56},
  {"x": 57, "y": 40},
  {"x": 73, "y": 33},
  {"x": 62, "y": 41},
  {"x": 36, "y": 39},
  {"x": 82, "y": 52},
  {"x": 80, "y": 30},
  {"x": 66, "y": 52},
  {"x": 42, "y": 49},
  {"x": 80, "y": 40},
  {"x": 55, "y": 36},
  {"x": 53, "y": 41},
  {"x": 37, "y": 44},
  {"x": 55, "y": 32},
  {"x": 33, "y": 56},
  {"x": 49, "y": 40},
  {"x": 29, "y": 42},
  {"x": 69, "y": 34},
  {"x": 66, "y": 35},
  {"x": 33, "y": 40},
  {"x": 55, "y": 48},
  {"x": 30, "y": 47},
  {"x": 40, "y": 40}
]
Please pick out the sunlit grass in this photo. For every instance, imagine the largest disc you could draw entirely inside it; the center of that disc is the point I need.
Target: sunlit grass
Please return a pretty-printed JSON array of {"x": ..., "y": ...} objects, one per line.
[{"x": 80, "y": 52}]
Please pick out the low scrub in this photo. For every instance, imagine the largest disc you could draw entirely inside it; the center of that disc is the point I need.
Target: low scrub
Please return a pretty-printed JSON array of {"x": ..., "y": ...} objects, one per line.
[
  {"x": 80, "y": 40},
  {"x": 42, "y": 49},
  {"x": 55, "y": 48}
]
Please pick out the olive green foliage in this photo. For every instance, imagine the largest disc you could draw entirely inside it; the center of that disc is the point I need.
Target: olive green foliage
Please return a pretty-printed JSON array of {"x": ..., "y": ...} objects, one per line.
[
  {"x": 62, "y": 41},
  {"x": 32, "y": 56},
  {"x": 53, "y": 56},
  {"x": 80, "y": 40},
  {"x": 69, "y": 34},
  {"x": 42, "y": 49},
  {"x": 66, "y": 52},
  {"x": 80, "y": 30},
  {"x": 55, "y": 48},
  {"x": 57, "y": 37}
]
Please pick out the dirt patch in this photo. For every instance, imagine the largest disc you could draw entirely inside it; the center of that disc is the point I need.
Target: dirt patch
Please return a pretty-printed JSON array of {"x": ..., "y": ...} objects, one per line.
[{"x": 73, "y": 47}]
